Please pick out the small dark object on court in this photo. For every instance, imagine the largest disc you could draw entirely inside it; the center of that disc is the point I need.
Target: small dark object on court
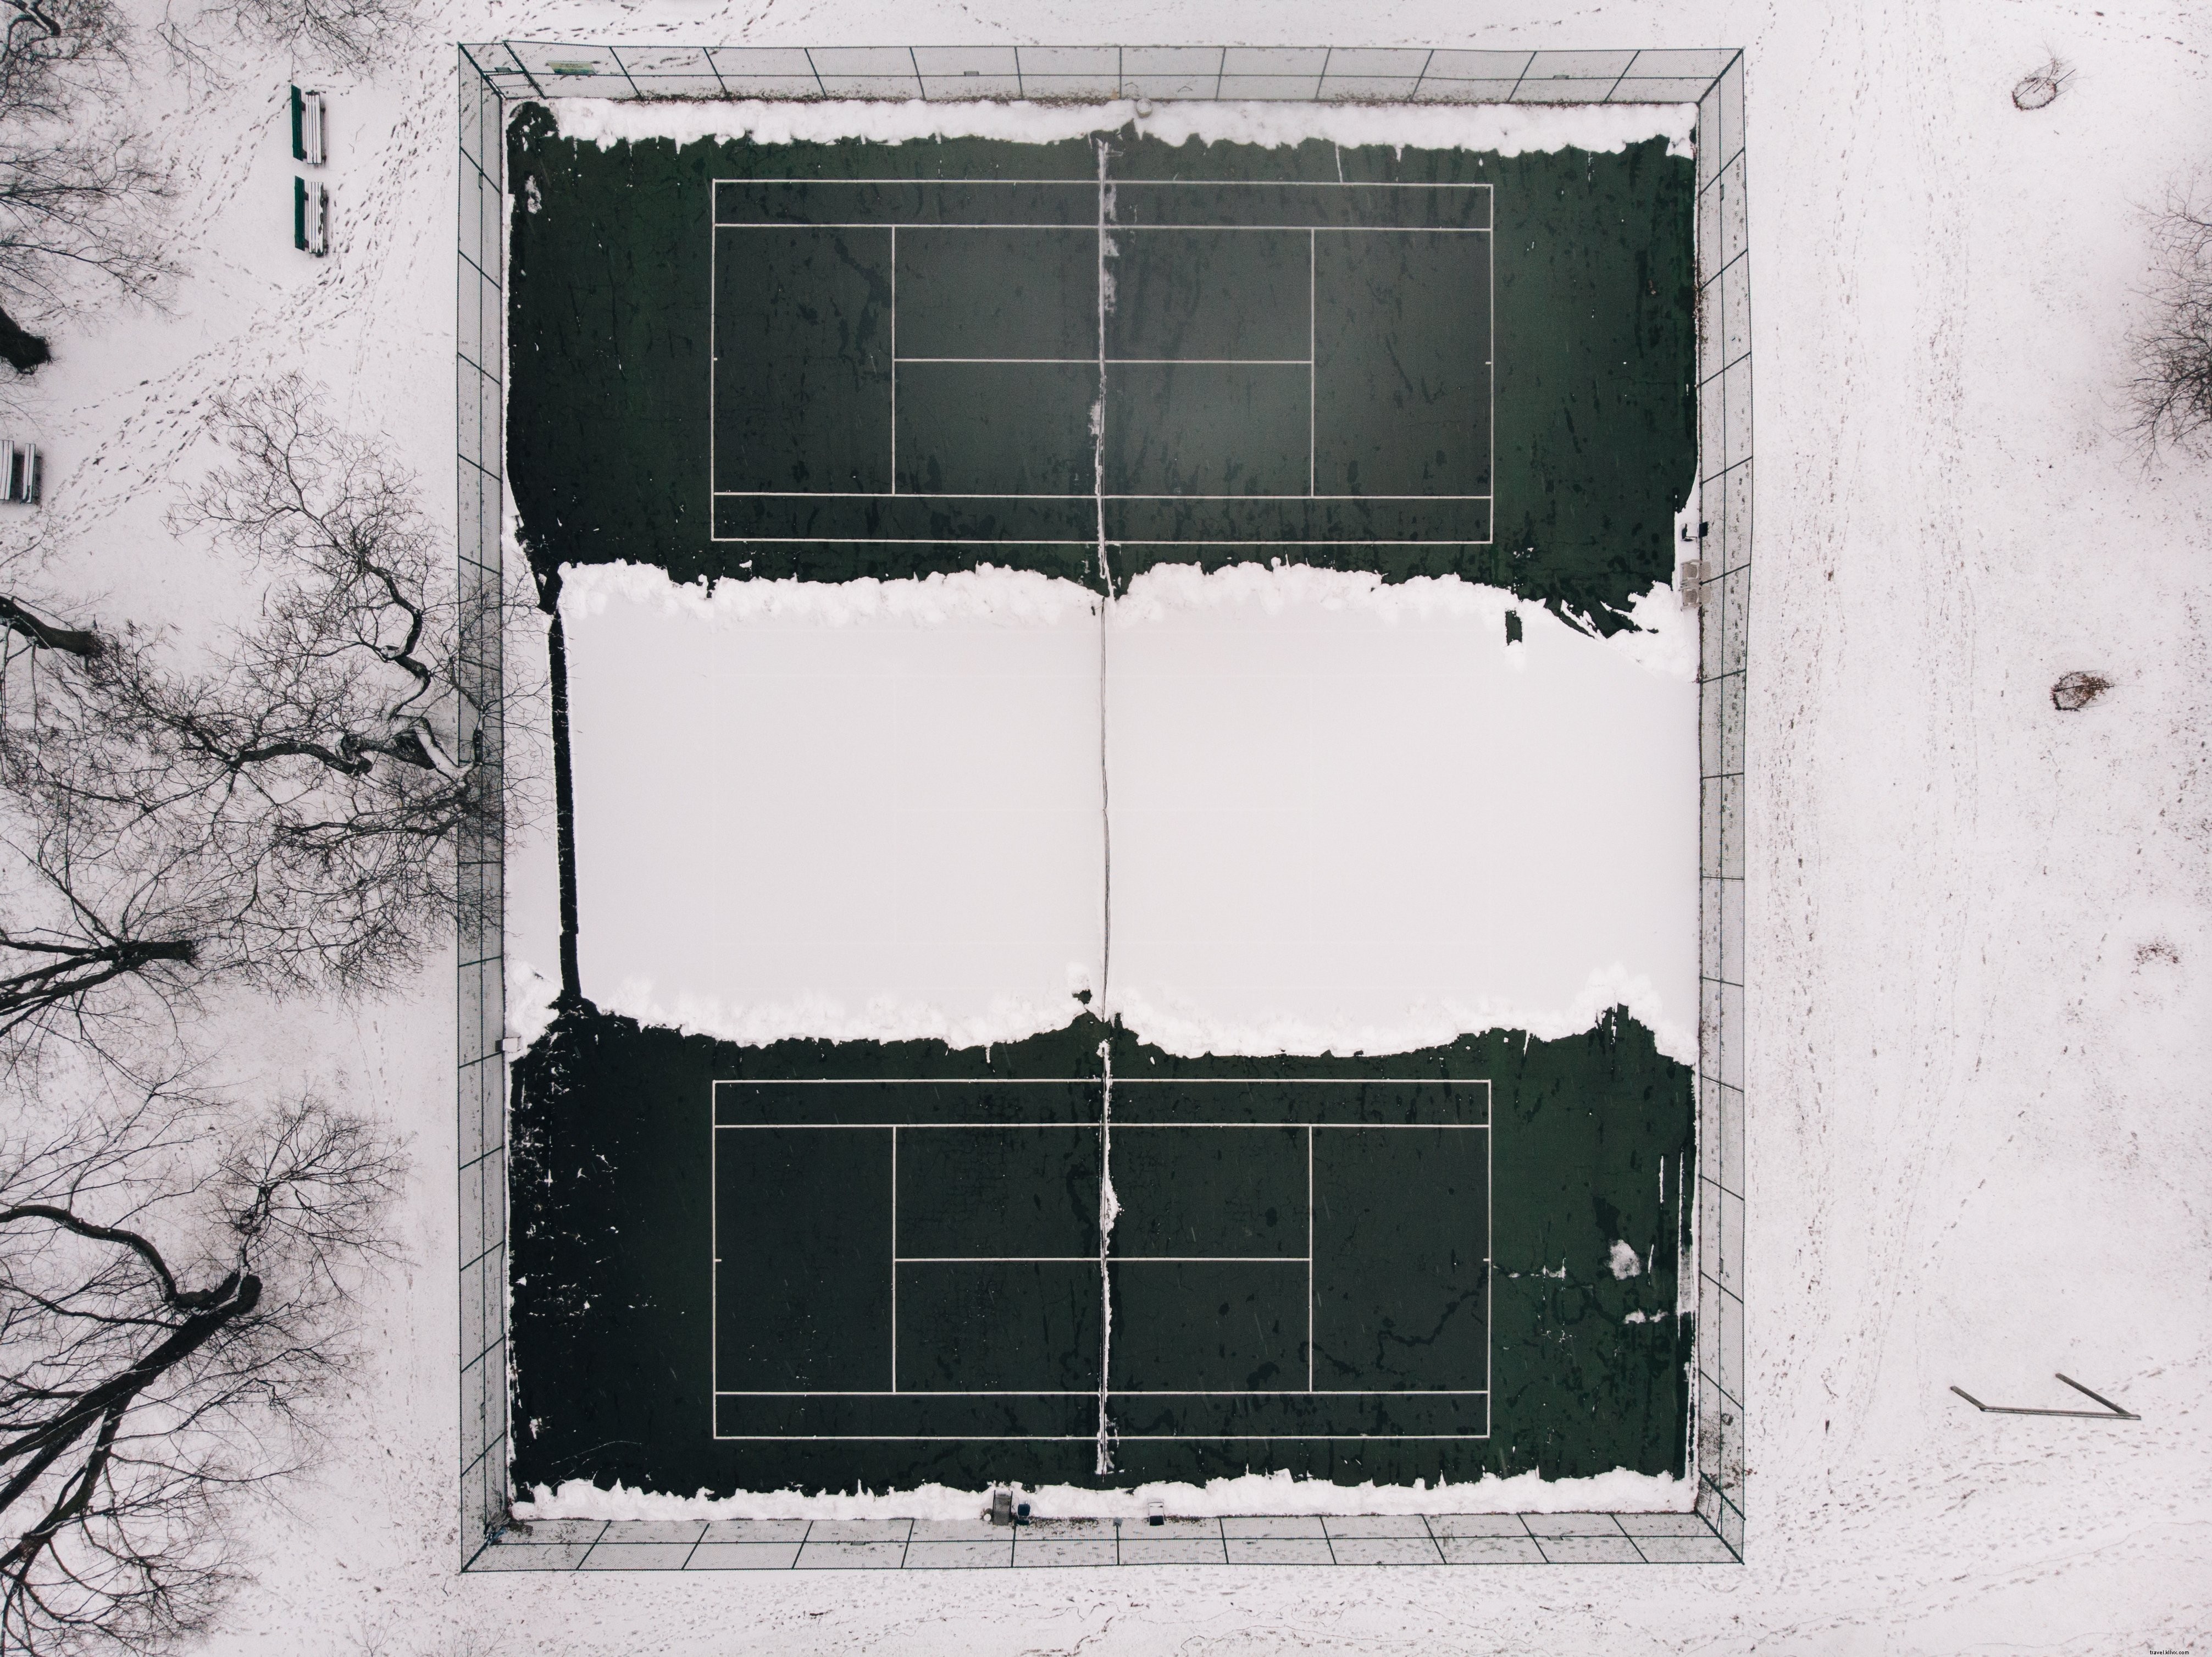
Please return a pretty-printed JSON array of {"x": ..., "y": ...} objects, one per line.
[{"x": 2076, "y": 691}]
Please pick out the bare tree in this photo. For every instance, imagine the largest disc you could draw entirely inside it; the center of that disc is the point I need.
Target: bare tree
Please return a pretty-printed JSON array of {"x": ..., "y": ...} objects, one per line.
[
  {"x": 76, "y": 207},
  {"x": 107, "y": 914},
  {"x": 2170, "y": 397},
  {"x": 347, "y": 34},
  {"x": 174, "y": 1291},
  {"x": 176, "y": 1271},
  {"x": 56, "y": 51},
  {"x": 77, "y": 189},
  {"x": 19, "y": 618},
  {"x": 286, "y": 816}
]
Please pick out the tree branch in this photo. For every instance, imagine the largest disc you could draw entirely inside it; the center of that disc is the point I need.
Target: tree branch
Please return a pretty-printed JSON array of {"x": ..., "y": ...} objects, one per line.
[{"x": 15, "y": 618}]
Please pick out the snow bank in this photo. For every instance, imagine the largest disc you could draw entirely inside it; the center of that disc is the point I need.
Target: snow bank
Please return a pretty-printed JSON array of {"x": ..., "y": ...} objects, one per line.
[
  {"x": 1251, "y": 1494},
  {"x": 1493, "y": 128},
  {"x": 1664, "y": 643},
  {"x": 986, "y": 593}
]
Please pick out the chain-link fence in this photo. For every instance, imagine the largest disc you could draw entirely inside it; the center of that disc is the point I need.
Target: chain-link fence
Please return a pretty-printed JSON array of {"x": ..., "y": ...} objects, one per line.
[
  {"x": 542, "y": 69},
  {"x": 1724, "y": 552},
  {"x": 480, "y": 398},
  {"x": 494, "y": 74}
]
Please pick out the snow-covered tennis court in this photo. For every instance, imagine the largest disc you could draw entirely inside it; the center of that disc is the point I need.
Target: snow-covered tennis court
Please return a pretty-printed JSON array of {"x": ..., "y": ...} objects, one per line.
[
  {"x": 1117, "y": 655},
  {"x": 1343, "y": 816}
]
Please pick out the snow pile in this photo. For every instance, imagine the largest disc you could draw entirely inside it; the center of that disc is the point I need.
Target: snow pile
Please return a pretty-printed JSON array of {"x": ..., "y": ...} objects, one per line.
[
  {"x": 986, "y": 593},
  {"x": 1274, "y": 1494}
]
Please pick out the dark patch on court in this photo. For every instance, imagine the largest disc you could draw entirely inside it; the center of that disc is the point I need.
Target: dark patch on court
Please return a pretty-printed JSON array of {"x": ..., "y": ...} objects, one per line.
[
  {"x": 855, "y": 359},
  {"x": 1347, "y": 1268}
]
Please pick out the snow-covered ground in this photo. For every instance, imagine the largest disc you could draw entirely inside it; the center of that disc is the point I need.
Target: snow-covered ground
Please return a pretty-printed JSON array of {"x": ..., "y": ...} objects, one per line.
[{"x": 1979, "y": 928}]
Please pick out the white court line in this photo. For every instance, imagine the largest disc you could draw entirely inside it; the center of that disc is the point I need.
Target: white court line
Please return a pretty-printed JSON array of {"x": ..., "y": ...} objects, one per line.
[
  {"x": 1253, "y": 541},
  {"x": 1201, "y": 361},
  {"x": 1154, "y": 1392},
  {"x": 1133, "y": 229},
  {"x": 1324, "y": 1127},
  {"x": 1489, "y": 364},
  {"x": 1092, "y": 1259},
  {"x": 1312, "y": 232},
  {"x": 948, "y": 494},
  {"x": 1268, "y": 1438},
  {"x": 1140, "y": 184},
  {"x": 714, "y": 1278},
  {"x": 1092, "y": 1126},
  {"x": 1308, "y": 1259},
  {"x": 713, "y": 358},
  {"x": 895, "y": 1260},
  {"x": 895, "y": 359}
]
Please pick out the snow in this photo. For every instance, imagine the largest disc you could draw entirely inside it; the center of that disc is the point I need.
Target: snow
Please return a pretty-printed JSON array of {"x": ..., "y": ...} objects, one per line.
[
  {"x": 1977, "y": 1137},
  {"x": 1342, "y": 821},
  {"x": 1338, "y": 821},
  {"x": 1491, "y": 129},
  {"x": 863, "y": 812},
  {"x": 1274, "y": 1494}
]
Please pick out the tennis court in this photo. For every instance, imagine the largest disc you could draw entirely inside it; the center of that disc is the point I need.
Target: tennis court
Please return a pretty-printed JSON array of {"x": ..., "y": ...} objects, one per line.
[
  {"x": 1284, "y": 1261},
  {"x": 754, "y": 1256},
  {"x": 1143, "y": 364}
]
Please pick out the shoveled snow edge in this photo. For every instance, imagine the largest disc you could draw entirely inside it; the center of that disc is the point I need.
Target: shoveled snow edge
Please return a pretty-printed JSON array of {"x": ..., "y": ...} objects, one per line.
[
  {"x": 1272, "y": 1495},
  {"x": 1491, "y": 129}
]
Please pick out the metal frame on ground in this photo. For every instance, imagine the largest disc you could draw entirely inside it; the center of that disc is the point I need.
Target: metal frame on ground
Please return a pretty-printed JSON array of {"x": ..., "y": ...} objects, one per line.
[{"x": 492, "y": 73}]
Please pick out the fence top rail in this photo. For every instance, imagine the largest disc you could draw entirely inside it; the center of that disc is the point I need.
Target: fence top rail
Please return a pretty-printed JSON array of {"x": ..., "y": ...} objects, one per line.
[{"x": 602, "y": 69}]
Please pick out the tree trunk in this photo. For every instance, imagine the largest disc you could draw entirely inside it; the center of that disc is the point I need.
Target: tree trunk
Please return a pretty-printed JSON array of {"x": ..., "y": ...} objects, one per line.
[
  {"x": 44, "y": 1444},
  {"x": 76, "y": 969},
  {"x": 23, "y": 350},
  {"x": 77, "y": 641}
]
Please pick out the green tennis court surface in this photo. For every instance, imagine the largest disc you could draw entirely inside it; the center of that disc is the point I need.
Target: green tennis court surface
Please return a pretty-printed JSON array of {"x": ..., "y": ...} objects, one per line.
[
  {"x": 832, "y": 1265},
  {"x": 845, "y": 360},
  {"x": 1305, "y": 1259},
  {"x": 1152, "y": 364},
  {"x": 1076, "y": 1259}
]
